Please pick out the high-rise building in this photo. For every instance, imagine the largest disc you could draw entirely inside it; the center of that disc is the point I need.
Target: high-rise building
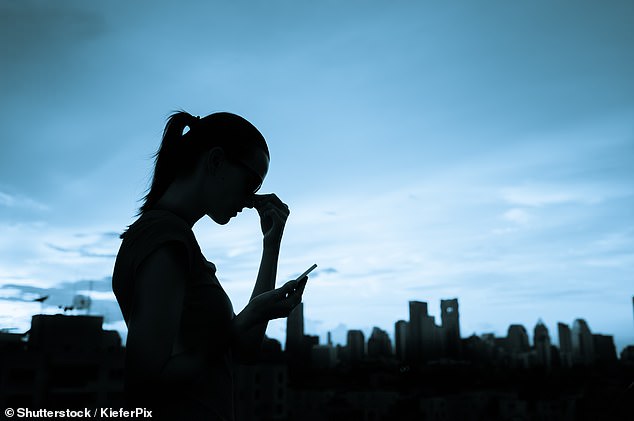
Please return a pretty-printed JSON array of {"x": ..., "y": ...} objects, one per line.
[
  {"x": 438, "y": 350},
  {"x": 323, "y": 356},
  {"x": 541, "y": 341},
  {"x": 417, "y": 313},
  {"x": 450, "y": 319},
  {"x": 582, "y": 343},
  {"x": 379, "y": 344},
  {"x": 355, "y": 345},
  {"x": 295, "y": 330},
  {"x": 430, "y": 338},
  {"x": 400, "y": 339},
  {"x": 517, "y": 339},
  {"x": 421, "y": 333},
  {"x": 627, "y": 354},
  {"x": 565, "y": 344},
  {"x": 604, "y": 349}
]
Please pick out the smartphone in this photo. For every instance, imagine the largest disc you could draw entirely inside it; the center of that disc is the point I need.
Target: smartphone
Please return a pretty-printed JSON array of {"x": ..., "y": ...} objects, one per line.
[{"x": 310, "y": 269}]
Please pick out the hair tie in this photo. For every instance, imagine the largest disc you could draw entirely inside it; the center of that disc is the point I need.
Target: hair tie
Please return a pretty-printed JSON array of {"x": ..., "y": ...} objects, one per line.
[{"x": 194, "y": 120}]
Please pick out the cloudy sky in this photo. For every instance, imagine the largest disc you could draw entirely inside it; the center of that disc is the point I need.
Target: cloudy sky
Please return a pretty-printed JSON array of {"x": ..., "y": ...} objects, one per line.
[{"x": 427, "y": 150}]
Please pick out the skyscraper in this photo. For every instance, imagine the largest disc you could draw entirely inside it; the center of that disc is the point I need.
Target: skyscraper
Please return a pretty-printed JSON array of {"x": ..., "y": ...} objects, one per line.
[
  {"x": 541, "y": 340},
  {"x": 517, "y": 339},
  {"x": 379, "y": 344},
  {"x": 400, "y": 339},
  {"x": 604, "y": 349},
  {"x": 417, "y": 310},
  {"x": 451, "y": 327},
  {"x": 356, "y": 345},
  {"x": 582, "y": 343},
  {"x": 295, "y": 330},
  {"x": 565, "y": 344}
]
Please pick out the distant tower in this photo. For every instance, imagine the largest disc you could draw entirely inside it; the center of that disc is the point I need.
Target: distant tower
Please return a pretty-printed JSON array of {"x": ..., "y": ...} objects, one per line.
[
  {"x": 379, "y": 344},
  {"x": 295, "y": 329},
  {"x": 451, "y": 326},
  {"x": 541, "y": 340},
  {"x": 400, "y": 339},
  {"x": 582, "y": 343},
  {"x": 517, "y": 339},
  {"x": 417, "y": 314},
  {"x": 356, "y": 345},
  {"x": 604, "y": 349},
  {"x": 565, "y": 344}
]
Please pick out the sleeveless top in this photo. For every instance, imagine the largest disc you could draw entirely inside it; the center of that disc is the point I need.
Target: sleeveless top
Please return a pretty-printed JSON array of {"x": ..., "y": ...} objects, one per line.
[{"x": 206, "y": 310}]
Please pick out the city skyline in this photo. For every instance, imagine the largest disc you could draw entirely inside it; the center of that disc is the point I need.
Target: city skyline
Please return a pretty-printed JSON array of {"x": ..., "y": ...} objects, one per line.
[
  {"x": 491, "y": 375},
  {"x": 420, "y": 309},
  {"x": 566, "y": 339},
  {"x": 419, "y": 335},
  {"x": 426, "y": 150}
]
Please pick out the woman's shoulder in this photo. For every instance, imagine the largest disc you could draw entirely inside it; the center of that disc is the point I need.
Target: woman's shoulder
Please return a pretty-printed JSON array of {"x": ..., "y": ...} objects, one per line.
[
  {"x": 158, "y": 222},
  {"x": 155, "y": 228}
]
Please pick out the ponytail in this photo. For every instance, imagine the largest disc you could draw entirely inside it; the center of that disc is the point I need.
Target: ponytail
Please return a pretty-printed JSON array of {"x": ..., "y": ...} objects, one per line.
[
  {"x": 171, "y": 157},
  {"x": 179, "y": 152}
]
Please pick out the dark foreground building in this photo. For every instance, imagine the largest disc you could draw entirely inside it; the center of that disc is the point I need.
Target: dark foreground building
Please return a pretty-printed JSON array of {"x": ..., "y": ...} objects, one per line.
[{"x": 62, "y": 362}]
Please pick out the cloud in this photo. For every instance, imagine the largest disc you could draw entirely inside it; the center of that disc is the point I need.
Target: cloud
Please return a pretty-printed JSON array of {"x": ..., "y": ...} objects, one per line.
[
  {"x": 20, "y": 202},
  {"x": 82, "y": 251},
  {"x": 44, "y": 255},
  {"x": 536, "y": 196},
  {"x": 108, "y": 235},
  {"x": 517, "y": 215},
  {"x": 103, "y": 300},
  {"x": 325, "y": 271}
]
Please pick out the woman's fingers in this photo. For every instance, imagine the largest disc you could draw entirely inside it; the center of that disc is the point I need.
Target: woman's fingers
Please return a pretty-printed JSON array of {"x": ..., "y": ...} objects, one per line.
[
  {"x": 271, "y": 206},
  {"x": 302, "y": 284},
  {"x": 295, "y": 291},
  {"x": 281, "y": 301},
  {"x": 263, "y": 200},
  {"x": 272, "y": 218},
  {"x": 260, "y": 200},
  {"x": 288, "y": 288},
  {"x": 292, "y": 290}
]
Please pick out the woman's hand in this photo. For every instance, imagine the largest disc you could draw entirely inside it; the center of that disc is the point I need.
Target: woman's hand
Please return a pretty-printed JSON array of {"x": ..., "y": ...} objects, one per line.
[
  {"x": 247, "y": 328},
  {"x": 273, "y": 215},
  {"x": 279, "y": 302}
]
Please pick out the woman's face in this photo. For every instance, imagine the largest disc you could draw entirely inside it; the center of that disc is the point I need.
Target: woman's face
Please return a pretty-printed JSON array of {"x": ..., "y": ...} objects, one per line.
[{"x": 237, "y": 180}]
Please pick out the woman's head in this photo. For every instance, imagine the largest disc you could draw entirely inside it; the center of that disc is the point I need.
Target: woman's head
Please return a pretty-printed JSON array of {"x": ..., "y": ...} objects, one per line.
[{"x": 222, "y": 144}]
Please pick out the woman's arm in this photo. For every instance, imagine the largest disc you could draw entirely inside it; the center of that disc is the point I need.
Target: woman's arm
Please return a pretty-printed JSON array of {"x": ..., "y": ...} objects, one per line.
[
  {"x": 250, "y": 325},
  {"x": 154, "y": 323},
  {"x": 248, "y": 329}
]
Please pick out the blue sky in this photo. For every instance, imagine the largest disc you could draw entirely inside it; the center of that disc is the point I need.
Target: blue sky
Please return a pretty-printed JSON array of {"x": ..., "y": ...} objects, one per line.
[{"x": 427, "y": 150}]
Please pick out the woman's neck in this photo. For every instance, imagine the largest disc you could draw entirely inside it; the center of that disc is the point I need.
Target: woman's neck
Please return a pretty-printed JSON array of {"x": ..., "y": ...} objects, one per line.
[{"x": 179, "y": 199}]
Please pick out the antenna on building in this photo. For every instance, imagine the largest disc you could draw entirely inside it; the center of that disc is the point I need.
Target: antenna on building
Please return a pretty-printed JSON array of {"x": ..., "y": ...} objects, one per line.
[
  {"x": 41, "y": 301},
  {"x": 89, "y": 297}
]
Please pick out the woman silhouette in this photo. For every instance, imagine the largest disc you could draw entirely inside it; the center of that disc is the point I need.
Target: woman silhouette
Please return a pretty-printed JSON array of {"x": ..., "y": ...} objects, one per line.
[{"x": 182, "y": 332}]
